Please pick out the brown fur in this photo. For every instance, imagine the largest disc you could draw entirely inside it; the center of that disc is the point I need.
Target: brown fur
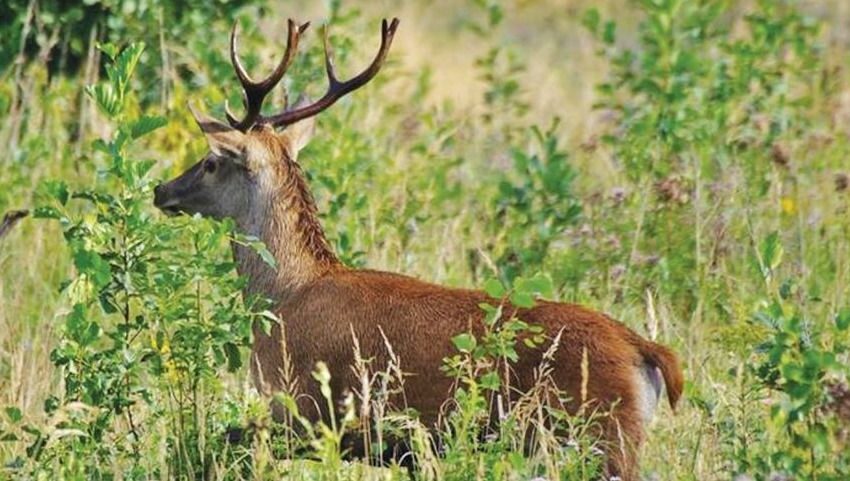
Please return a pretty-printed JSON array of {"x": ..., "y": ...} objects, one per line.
[{"x": 321, "y": 303}]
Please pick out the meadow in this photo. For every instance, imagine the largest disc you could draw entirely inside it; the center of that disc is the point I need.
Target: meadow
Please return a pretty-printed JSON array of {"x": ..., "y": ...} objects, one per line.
[{"x": 681, "y": 165}]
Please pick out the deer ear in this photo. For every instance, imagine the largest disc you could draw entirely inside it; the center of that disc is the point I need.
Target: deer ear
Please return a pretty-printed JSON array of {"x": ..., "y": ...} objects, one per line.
[
  {"x": 297, "y": 136},
  {"x": 222, "y": 138}
]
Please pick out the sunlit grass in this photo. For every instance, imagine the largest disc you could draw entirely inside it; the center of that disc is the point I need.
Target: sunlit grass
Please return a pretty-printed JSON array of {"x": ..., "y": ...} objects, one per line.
[{"x": 419, "y": 166}]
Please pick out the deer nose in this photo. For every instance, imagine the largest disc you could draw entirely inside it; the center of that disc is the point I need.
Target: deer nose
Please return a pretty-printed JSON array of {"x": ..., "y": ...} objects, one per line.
[{"x": 158, "y": 195}]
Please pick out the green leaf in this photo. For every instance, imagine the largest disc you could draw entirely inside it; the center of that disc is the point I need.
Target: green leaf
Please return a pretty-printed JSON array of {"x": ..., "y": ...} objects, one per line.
[
  {"x": 79, "y": 328},
  {"x": 842, "y": 319},
  {"x": 109, "y": 48},
  {"x": 266, "y": 320},
  {"x": 464, "y": 342},
  {"x": 234, "y": 358},
  {"x": 145, "y": 125},
  {"x": 522, "y": 299},
  {"x": 494, "y": 288},
  {"x": 46, "y": 212},
  {"x": 93, "y": 265},
  {"x": 57, "y": 189},
  {"x": 590, "y": 19},
  {"x": 771, "y": 253},
  {"x": 142, "y": 167},
  {"x": 105, "y": 98},
  {"x": 490, "y": 381},
  {"x": 539, "y": 285},
  {"x": 14, "y": 414},
  {"x": 109, "y": 96},
  {"x": 125, "y": 65},
  {"x": 491, "y": 314},
  {"x": 264, "y": 253},
  {"x": 609, "y": 34},
  {"x": 101, "y": 146},
  {"x": 495, "y": 14}
]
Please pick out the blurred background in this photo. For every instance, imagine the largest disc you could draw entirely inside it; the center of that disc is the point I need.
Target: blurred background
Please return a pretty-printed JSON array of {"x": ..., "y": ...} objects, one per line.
[{"x": 680, "y": 165}]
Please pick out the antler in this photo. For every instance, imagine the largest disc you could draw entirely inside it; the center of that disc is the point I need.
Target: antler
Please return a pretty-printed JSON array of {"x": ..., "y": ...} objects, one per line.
[
  {"x": 337, "y": 89},
  {"x": 255, "y": 92}
]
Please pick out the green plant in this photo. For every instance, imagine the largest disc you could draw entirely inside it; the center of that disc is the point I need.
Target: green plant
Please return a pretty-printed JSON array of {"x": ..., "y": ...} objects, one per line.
[
  {"x": 67, "y": 31},
  {"x": 692, "y": 103},
  {"x": 537, "y": 195},
  {"x": 147, "y": 333},
  {"x": 716, "y": 124},
  {"x": 500, "y": 69},
  {"x": 799, "y": 363},
  {"x": 485, "y": 436}
]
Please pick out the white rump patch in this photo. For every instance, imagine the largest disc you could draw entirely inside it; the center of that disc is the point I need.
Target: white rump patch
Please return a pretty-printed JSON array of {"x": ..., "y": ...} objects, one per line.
[{"x": 649, "y": 384}]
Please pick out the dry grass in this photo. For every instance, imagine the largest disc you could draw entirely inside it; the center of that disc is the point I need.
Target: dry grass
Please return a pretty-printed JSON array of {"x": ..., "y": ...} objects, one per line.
[{"x": 562, "y": 70}]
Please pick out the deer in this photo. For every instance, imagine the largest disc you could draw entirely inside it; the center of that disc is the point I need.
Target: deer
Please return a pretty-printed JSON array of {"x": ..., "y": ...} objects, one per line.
[{"x": 252, "y": 175}]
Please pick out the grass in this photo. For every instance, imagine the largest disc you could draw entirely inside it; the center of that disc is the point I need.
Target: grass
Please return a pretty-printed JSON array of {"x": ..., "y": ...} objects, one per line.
[{"x": 407, "y": 173}]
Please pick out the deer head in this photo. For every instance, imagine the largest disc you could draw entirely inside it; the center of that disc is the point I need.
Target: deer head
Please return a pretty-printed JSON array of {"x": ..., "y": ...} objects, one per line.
[{"x": 252, "y": 159}]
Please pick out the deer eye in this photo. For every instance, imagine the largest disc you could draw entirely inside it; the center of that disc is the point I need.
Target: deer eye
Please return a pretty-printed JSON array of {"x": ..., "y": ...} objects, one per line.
[{"x": 210, "y": 165}]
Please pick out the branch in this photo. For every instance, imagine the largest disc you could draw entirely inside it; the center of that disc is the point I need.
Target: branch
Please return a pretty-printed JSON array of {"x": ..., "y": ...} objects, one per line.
[{"x": 10, "y": 219}]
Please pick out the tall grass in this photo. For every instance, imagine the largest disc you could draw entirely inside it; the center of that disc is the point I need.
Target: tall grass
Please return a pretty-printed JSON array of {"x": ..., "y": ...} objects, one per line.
[{"x": 695, "y": 188}]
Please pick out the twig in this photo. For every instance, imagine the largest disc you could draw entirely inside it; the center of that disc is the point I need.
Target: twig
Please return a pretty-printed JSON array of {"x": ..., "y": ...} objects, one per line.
[{"x": 10, "y": 219}]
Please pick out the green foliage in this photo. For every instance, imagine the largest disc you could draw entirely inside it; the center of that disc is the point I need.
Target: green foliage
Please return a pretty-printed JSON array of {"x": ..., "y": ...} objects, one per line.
[
  {"x": 704, "y": 202},
  {"x": 500, "y": 69},
  {"x": 536, "y": 197},
  {"x": 799, "y": 362},
  {"x": 498, "y": 343},
  {"x": 679, "y": 96},
  {"x": 147, "y": 331},
  {"x": 484, "y": 435},
  {"x": 692, "y": 103},
  {"x": 66, "y": 30}
]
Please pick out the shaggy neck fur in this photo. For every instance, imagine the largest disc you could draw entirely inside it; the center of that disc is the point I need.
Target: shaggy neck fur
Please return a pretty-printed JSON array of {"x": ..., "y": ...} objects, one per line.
[{"x": 283, "y": 216}]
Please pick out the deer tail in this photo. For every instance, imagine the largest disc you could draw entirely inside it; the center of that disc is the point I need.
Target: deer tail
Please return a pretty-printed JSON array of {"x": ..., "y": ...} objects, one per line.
[{"x": 668, "y": 363}]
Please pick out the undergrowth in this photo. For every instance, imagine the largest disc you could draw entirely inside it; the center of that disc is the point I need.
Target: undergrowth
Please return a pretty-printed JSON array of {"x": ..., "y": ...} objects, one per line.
[{"x": 706, "y": 208}]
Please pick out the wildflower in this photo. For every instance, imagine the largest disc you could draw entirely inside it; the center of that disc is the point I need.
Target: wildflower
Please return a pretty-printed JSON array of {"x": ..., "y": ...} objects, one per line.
[
  {"x": 618, "y": 195},
  {"x": 617, "y": 271}
]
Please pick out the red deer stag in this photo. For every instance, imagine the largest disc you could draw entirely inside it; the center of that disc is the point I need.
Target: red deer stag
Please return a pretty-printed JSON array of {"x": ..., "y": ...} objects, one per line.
[{"x": 251, "y": 174}]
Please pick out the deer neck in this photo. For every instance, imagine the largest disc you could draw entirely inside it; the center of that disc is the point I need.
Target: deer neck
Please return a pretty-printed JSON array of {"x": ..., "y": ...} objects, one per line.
[{"x": 284, "y": 218}]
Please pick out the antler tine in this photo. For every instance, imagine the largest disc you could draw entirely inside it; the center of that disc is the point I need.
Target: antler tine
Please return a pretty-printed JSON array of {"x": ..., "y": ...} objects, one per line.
[
  {"x": 329, "y": 57},
  {"x": 255, "y": 92},
  {"x": 337, "y": 89}
]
